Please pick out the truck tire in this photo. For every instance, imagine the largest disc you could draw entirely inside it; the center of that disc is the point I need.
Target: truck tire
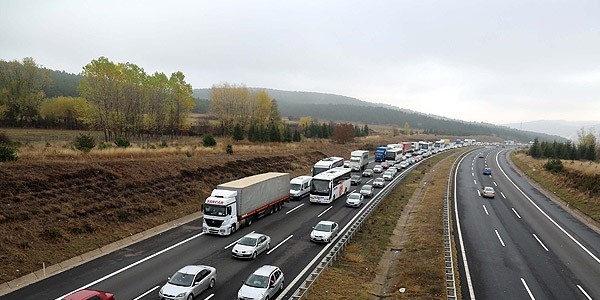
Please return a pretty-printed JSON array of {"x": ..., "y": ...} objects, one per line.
[
  {"x": 249, "y": 221},
  {"x": 232, "y": 228}
]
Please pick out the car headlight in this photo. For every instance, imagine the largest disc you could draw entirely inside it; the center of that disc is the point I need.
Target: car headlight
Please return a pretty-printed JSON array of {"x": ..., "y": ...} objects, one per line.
[{"x": 181, "y": 295}]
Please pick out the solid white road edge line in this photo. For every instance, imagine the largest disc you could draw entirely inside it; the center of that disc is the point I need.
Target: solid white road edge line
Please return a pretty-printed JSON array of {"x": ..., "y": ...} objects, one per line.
[
  {"x": 325, "y": 211},
  {"x": 498, "y": 235},
  {"x": 539, "y": 241},
  {"x": 236, "y": 241},
  {"x": 460, "y": 237},
  {"x": 132, "y": 265},
  {"x": 486, "y": 212},
  {"x": 293, "y": 209},
  {"x": 146, "y": 293},
  {"x": 547, "y": 216},
  {"x": 584, "y": 293},
  {"x": 280, "y": 243},
  {"x": 527, "y": 288},
  {"x": 516, "y": 213}
]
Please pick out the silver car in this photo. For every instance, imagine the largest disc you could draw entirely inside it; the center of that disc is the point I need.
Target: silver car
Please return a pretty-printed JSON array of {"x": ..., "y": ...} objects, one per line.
[
  {"x": 263, "y": 284},
  {"x": 251, "y": 245},
  {"x": 324, "y": 231},
  {"x": 188, "y": 283}
]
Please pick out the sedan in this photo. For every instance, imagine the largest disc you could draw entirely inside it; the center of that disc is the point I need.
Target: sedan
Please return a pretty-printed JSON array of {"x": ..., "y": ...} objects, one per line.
[
  {"x": 378, "y": 182},
  {"x": 251, "y": 245},
  {"x": 188, "y": 283},
  {"x": 90, "y": 295},
  {"x": 324, "y": 231},
  {"x": 367, "y": 173},
  {"x": 367, "y": 190},
  {"x": 355, "y": 180},
  {"x": 377, "y": 169},
  {"x": 355, "y": 200},
  {"x": 488, "y": 192},
  {"x": 487, "y": 171},
  {"x": 388, "y": 175},
  {"x": 393, "y": 169},
  {"x": 263, "y": 284},
  {"x": 385, "y": 164}
]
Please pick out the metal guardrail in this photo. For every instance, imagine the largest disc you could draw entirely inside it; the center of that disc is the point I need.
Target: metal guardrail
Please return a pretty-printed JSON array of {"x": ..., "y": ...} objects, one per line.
[{"x": 342, "y": 242}]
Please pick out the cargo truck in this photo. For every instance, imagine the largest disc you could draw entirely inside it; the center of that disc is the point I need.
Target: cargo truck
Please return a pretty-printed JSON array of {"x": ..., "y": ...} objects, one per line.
[
  {"x": 380, "y": 154},
  {"x": 359, "y": 159},
  {"x": 238, "y": 203}
]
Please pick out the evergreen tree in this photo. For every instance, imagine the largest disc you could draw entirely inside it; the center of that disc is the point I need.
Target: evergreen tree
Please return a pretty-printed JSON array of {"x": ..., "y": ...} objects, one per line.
[
  {"x": 366, "y": 130},
  {"x": 238, "y": 133},
  {"x": 297, "y": 137}
]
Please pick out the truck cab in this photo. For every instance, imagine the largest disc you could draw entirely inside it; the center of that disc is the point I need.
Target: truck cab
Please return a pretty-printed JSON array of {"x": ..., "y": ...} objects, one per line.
[{"x": 220, "y": 215}]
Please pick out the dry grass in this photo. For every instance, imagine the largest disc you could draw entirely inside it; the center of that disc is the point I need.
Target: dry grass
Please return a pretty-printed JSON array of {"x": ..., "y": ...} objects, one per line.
[
  {"x": 421, "y": 267},
  {"x": 561, "y": 186}
]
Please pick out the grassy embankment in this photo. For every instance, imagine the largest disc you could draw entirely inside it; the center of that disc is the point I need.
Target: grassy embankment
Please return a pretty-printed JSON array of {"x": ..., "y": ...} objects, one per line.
[
  {"x": 564, "y": 186},
  {"x": 419, "y": 264}
]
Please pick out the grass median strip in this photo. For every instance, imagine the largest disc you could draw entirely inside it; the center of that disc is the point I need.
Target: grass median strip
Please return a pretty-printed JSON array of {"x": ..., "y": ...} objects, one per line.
[{"x": 389, "y": 253}]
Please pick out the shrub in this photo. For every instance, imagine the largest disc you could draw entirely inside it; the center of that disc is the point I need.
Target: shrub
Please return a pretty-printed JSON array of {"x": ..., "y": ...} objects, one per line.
[
  {"x": 122, "y": 142},
  {"x": 4, "y": 139},
  {"x": 229, "y": 149},
  {"x": 554, "y": 165},
  {"x": 8, "y": 152},
  {"x": 85, "y": 142},
  {"x": 209, "y": 141},
  {"x": 163, "y": 144}
]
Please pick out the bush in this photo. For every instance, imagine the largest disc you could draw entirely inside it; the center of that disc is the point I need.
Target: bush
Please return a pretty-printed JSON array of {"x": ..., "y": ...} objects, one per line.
[
  {"x": 4, "y": 139},
  {"x": 209, "y": 141},
  {"x": 229, "y": 149},
  {"x": 554, "y": 165},
  {"x": 122, "y": 142},
  {"x": 85, "y": 142},
  {"x": 8, "y": 152}
]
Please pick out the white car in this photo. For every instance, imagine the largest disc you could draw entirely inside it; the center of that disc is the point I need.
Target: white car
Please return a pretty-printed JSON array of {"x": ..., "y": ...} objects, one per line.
[
  {"x": 188, "y": 282},
  {"x": 394, "y": 170},
  {"x": 488, "y": 192},
  {"x": 377, "y": 169},
  {"x": 251, "y": 245},
  {"x": 378, "y": 182},
  {"x": 354, "y": 200},
  {"x": 388, "y": 175},
  {"x": 263, "y": 284},
  {"x": 324, "y": 231}
]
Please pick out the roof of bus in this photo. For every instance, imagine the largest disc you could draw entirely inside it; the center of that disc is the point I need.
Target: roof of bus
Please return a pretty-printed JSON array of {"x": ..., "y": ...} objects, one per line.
[
  {"x": 330, "y": 174},
  {"x": 328, "y": 161}
]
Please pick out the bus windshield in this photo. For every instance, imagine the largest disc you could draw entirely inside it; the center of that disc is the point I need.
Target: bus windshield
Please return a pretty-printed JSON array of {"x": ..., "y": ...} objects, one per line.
[{"x": 319, "y": 187}]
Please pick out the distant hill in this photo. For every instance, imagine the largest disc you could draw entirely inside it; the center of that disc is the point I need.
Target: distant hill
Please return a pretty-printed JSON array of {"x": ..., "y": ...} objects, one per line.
[
  {"x": 566, "y": 129},
  {"x": 346, "y": 109}
]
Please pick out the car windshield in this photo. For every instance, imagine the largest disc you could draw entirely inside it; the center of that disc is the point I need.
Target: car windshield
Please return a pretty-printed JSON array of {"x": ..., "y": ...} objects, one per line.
[
  {"x": 489, "y": 189},
  {"x": 181, "y": 279},
  {"x": 377, "y": 166},
  {"x": 247, "y": 241},
  {"x": 257, "y": 281},
  {"x": 295, "y": 186},
  {"x": 214, "y": 210},
  {"x": 366, "y": 188},
  {"x": 323, "y": 227},
  {"x": 378, "y": 180},
  {"x": 355, "y": 177},
  {"x": 354, "y": 196}
]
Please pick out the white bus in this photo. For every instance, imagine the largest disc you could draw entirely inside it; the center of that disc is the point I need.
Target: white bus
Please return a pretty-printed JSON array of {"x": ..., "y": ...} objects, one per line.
[
  {"x": 330, "y": 185},
  {"x": 326, "y": 164},
  {"x": 394, "y": 155}
]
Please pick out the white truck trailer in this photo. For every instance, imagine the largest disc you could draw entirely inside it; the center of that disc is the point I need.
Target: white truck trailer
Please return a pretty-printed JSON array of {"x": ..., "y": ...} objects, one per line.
[
  {"x": 359, "y": 159},
  {"x": 239, "y": 202}
]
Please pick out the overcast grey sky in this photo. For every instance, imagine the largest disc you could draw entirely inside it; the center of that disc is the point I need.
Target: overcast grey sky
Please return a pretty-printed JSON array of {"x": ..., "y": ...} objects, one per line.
[{"x": 493, "y": 61}]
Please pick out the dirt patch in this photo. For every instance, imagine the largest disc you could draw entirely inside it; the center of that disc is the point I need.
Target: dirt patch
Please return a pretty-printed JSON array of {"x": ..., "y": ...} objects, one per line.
[{"x": 54, "y": 210}]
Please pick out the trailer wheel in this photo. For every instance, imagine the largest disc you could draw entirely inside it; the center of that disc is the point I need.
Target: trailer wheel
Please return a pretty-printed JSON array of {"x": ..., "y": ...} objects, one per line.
[
  {"x": 271, "y": 210},
  {"x": 249, "y": 222}
]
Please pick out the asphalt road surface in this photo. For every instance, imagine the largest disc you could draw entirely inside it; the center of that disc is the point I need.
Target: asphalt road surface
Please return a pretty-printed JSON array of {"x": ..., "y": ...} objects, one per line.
[{"x": 520, "y": 244}]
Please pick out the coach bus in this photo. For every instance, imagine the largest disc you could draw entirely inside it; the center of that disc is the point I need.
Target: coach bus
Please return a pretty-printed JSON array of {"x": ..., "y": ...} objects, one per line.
[
  {"x": 330, "y": 185},
  {"x": 394, "y": 155},
  {"x": 326, "y": 164}
]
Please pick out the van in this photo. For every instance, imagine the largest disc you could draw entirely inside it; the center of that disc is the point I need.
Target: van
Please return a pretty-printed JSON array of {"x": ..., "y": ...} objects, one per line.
[{"x": 300, "y": 187}]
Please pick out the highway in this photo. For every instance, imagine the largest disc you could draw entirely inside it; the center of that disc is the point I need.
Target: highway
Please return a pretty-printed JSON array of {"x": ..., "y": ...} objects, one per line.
[
  {"x": 138, "y": 271},
  {"x": 520, "y": 244}
]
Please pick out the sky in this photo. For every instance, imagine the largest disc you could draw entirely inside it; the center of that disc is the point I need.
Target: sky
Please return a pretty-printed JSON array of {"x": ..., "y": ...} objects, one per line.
[{"x": 498, "y": 62}]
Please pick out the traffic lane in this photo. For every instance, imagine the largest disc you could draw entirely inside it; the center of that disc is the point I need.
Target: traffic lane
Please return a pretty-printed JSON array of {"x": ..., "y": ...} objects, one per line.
[
  {"x": 577, "y": 248},
  {"x": 70, "y": 280}
]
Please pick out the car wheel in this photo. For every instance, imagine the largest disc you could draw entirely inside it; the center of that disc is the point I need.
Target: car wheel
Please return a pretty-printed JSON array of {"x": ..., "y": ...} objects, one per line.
[
  {"x": 281, "y": 287},
  {"x": 190, "y": 297},
  {"x": 268, "y": 247},
  {"x": 212, "y": 283},
  {"x": 254, "y": 255}
]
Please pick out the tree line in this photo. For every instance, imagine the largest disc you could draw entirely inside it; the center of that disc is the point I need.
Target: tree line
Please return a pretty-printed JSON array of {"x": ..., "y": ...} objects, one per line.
[{"x": 586, "y": 149}]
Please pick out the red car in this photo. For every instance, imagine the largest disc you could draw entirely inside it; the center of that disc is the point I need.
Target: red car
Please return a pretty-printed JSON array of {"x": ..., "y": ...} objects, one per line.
[
  {"x": 385, "y": 164},
  {"x": 90, "y": 295}
]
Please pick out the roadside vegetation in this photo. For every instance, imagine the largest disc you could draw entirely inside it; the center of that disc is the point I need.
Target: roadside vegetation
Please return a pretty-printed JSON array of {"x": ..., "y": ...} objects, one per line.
[
  {"x": 418, "y": 265},
  {"x": 577, "y": 183}
]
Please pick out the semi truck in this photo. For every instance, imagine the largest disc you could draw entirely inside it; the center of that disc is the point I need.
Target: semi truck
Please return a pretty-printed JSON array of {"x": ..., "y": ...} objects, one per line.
[
  {"x": 380, "y": 154},
  {"x": 359, "y": 159},
  {"x": 406, "y": 147},
  {"x": 238, "y": 203}
]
